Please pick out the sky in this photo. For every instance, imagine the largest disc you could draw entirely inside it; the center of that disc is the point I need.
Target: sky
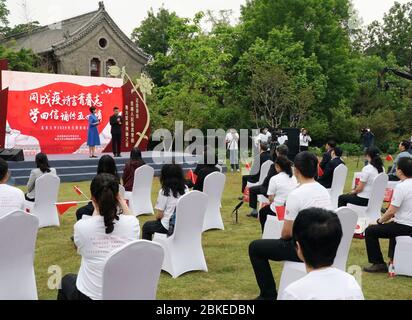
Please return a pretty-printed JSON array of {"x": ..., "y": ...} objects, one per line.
[{"x": 129, "y": 13}]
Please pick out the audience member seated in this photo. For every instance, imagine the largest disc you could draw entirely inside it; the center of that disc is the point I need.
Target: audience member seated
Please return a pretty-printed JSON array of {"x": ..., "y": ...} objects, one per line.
[
  {"x": 327, "y": 178},
  {"x": 309, "y": 194},
  {"x": 42, "y": 167},
  {"x": 397, "y": 221},
  {"x": 262, "y": 189},
  {"x": 173, "y": 187},
  {"x": 135, "y": 162},
  {"x": 106, "y": 165},
  {"x": 327, "y": 156},
  {"x": 11, "y": 198},
  {"x": 279, "y": 188},
  {"x": 362, "y": 192},
  {"x": 264, "y": 155},
  {"x": 317, "y": 234},
  {"x": 110, "y": 227},
  {"x": 208, "y": 166},
  {"x": 404, "y": 147}
]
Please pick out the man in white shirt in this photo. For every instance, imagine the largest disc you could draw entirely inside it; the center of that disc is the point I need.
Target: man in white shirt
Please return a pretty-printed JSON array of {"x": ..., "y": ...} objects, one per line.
[
  {"x": 308, "y": 194},
  {"x": 11, "y": 198},
  {"x": 397, "y": 221},
  {"x": 317, "y": 234}
]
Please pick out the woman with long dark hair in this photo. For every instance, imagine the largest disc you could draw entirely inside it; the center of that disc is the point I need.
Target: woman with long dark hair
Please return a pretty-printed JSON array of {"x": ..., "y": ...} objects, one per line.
[
  {"x": 362, "y": 192},
  {"x": 93, "y": 138},
  {"x": 279, "y": 188},
  {"x": 135, "y": 162},
  {"x": 42, "y": 168},
  {"x": 173, "y": 185},
  {"x": 106, "y": 165},
  {"x": 110, "y": 227}
]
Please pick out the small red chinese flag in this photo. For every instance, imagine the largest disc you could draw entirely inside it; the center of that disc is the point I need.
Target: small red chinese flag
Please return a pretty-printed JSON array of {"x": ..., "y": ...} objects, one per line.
[
  {"x": 191, "y": 176},
  {"x": 78, "y": 191},
  {"x": 320, "y": 171},
  {"x": 248, "y": 166},
  {"x": 63, "y": 207},
  {"x": 389, "y": 158}
]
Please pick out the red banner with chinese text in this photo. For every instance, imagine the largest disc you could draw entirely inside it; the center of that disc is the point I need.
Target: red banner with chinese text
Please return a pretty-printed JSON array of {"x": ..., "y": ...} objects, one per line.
[{"x": 57, "y": 114}]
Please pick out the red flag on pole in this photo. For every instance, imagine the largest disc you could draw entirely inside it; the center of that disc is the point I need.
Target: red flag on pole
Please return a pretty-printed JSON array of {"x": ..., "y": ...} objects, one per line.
[
  {"x": 63, "y": 207},
  {"x": 389, "y": 158},
  {"x": 191, "y": 176},
  {"x": 248, "y": 165},
  {"x": 78, "y": 191}
]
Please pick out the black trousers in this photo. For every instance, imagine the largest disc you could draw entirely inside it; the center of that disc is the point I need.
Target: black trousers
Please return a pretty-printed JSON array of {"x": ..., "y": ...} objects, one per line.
[
  {"x": 85, "y": 210},
  {"x": 385, "y": 231},
  {"x": 253, "y": 195},
  {"x": 344, "y": 199},
  {"x": 260, "y": 252},
  {"x": 303, "y": 148},
  {"x": 263, "y": 213},
  {"x": 152, "y": 227},
  {"x": 69, "y": 290},
  {"x": 249, "y": 178},
  {"x": 116, "y": 143}
]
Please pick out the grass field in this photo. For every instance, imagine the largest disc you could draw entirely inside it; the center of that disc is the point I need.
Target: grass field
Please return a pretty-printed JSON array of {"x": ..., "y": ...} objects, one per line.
[{"x": 230, "y": 274}]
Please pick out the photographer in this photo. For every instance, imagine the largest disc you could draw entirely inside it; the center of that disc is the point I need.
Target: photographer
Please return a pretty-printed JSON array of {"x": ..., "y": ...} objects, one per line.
[
  {"x": 304, "y": 140},
  {"x": 368, "y": 139}
]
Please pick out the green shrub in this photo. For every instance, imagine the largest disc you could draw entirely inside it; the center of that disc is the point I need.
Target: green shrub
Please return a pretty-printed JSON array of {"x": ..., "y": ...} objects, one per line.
[{"x": 351, "y": 149}]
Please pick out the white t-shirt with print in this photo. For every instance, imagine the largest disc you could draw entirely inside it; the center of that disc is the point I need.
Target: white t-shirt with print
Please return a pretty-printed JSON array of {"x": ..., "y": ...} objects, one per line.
[
  {"x": 167, "y": 205},
  {"x": 308, "y": 195},
  {"x": 11, "y": 199},
  {"x": 324, "y": 284},
  {"x": 94, "y": 245},
  {"x": 281, "y": 185},
  {"x": 367, "y": 176},
  {"x": 402, "y": 199}
]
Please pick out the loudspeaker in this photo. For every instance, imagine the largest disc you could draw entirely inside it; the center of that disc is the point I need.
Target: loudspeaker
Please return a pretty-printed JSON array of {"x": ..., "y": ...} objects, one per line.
[
  {"x": 12, "y": 154},
  {"x": 293, "y": 142}
]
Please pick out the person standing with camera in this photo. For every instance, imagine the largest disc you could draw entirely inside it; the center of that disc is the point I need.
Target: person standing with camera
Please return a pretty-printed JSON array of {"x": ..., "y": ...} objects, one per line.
[{"x": 304, "y": 140}]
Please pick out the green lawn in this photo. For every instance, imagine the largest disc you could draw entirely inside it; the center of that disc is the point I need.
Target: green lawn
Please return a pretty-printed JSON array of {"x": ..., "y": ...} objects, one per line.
[{"x": 230, "y": 274}]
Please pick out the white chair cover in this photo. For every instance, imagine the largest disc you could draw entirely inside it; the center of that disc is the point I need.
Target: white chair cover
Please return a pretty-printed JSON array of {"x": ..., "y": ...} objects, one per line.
[
  {"x": 140, "y": 199},
  {"x": 18, "y": 233},
  {"x": 183, "y": 250},
  {"x": 213, "y": 186},
  {"x": 133, "y": 271},
  {"x": 44, "y": 206},
  {"x": 338, "y": 183},
  {"x": 402, "y": 259}
]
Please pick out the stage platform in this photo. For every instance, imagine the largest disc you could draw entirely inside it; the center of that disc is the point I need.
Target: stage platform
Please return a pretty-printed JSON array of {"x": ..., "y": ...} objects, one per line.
[{"x": 77, "y": 168}]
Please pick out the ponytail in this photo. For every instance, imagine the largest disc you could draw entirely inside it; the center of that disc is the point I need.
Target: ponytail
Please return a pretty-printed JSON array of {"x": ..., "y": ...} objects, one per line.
[
  {"x": 104, "y": 189},
  {"x": 42, "y": 162},
  {"x": 376, "y": 160},
  {"x": 285, "y": 165}
]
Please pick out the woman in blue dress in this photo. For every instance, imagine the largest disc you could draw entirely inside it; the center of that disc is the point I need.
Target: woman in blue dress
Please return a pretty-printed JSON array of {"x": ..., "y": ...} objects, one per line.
[{"x": 93, "y": 139}]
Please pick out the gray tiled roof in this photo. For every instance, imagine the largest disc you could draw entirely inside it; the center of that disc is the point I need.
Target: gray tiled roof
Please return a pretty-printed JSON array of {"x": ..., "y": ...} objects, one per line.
[
  {"x": 64, "y": 33},
  {"x": 42, "y": 39}
]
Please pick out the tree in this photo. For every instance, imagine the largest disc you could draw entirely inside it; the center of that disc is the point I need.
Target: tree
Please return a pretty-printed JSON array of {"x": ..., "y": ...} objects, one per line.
[
  {"x": 272, "y": 94},
  {"x": 20, "y": 28},
  {"x": 320, "y": 25},
  {"x": 393, "y": 35}
]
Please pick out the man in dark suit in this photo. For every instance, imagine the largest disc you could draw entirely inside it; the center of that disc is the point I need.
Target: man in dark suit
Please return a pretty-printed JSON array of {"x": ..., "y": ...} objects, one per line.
[
  {"x": 327, "y": 178},
  {"x": 262, "y": 189},
  {"x": 327, "y": 156},
  {"x": 264, "y": 156},
  {"x": 116, "y": 131}
]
